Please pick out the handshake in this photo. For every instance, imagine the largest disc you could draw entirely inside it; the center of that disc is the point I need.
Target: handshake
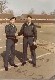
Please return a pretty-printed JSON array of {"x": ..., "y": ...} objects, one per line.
[
  {"x": 33, "y": 46},
  {"x": 16, "y": 39}
]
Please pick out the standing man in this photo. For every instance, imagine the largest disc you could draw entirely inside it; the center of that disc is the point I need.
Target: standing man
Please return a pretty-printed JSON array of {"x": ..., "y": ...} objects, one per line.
[
  {"x": 10, "y": 31},
  {"x": 29, "y": 37}
]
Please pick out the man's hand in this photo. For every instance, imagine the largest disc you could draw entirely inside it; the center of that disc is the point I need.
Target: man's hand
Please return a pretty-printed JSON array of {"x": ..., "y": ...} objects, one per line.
[
  {"x": 20, "y": 37},
  {"x": 34, "y": 43},
  {"x": 16, "y": 34}
]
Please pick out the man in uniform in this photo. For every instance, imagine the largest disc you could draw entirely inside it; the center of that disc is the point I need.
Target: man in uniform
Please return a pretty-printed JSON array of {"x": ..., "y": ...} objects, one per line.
[
  {"x": 29, "y": 32},
  {"x": 10, "y": 31}
]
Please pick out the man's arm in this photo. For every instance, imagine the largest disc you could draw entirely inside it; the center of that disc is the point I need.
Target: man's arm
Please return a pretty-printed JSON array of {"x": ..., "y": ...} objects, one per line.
[
  {"x": 35, "y": 33},
  {"x": 15, "y": 29},
  {"x": 6, "y": 29},
  {"x": 38, "y": 26},
  {"x": 21, "y": 31}
]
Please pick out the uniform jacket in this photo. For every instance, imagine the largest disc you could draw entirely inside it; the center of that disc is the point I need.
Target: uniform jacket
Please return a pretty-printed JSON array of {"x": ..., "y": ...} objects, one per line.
[
  {"x": 28, "y": 30},
  {"x": 10, "y": 30}
]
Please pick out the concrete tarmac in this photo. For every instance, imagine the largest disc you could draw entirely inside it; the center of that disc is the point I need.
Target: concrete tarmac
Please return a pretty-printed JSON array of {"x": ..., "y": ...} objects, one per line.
[{"x": 45, "y": 56}]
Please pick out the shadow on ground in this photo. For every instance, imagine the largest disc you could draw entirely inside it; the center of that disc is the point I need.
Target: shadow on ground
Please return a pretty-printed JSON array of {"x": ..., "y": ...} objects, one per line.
[{"x": 18, "y": 54}]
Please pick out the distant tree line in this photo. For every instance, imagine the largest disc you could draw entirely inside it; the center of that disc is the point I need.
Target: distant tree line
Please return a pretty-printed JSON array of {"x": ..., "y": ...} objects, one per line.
[
  {"x": 32, "y": 11},
  {"x": 3, "y": 7}
]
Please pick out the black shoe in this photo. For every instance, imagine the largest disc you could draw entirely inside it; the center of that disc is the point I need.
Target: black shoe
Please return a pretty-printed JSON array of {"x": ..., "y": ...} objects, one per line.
[
  {"x": 14, "y": 65},
  {"x": 6, "y": 68},
  {"x": 34, "y": 65},
  {"x": 23, "y": 63}
]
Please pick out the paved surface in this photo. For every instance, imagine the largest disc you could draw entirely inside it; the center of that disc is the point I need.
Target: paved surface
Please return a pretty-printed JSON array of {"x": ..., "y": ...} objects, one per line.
[{"x": 45, "y": 59}]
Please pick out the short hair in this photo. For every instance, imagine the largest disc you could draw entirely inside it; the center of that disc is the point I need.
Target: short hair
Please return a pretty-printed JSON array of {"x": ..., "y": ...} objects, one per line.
[
  {"x": 13, "y": 18},
  {"x": 29, "y": 16}
]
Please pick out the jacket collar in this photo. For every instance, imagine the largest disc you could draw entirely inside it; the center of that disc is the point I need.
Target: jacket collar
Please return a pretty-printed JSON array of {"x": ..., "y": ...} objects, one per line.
[
  {"x": 11, "y": 24},
  {"x": 29, "y": 24}
]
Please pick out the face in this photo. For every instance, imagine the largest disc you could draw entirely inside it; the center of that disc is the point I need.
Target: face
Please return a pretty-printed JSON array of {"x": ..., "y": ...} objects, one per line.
[
  {"x": 29, "y": 19},
  {"x": 12, "y": 21}
]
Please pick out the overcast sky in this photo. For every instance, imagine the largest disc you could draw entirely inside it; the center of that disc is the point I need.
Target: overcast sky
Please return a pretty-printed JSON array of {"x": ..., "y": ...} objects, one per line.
[{"x": 24, "y": 6}]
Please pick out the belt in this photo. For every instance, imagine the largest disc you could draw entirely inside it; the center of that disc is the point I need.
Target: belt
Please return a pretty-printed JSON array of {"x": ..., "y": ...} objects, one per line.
[{"x": 10, "y": 37}]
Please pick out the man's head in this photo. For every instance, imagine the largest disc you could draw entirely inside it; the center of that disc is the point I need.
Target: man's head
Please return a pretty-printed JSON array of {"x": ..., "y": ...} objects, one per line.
[
  {"x": 12, "y": 20},
  {"x": 29, "y": 18}
]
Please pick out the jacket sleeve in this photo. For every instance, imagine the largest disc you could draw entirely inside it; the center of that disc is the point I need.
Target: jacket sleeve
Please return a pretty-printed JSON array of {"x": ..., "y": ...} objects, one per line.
[
  {"x": 35, "y": 33},
  {"x": 15, "y": 29},
  {"x": 21, "y": 31},
  {"x": 7, "y": 29}
]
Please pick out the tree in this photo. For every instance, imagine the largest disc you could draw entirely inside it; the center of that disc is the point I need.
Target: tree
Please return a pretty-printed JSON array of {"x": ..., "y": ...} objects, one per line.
[
  {"x": 43, "y": 13},
  {"x": 31, "y": 11},
  {"x": 52, "y": 13},
  {"x": 3, "y": 5},
  {"x": 9, "y": 11}
]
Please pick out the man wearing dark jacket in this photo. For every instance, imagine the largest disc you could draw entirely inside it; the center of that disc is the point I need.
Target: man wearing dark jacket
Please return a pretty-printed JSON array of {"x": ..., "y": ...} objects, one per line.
[
  {"x": 10, "y": 31},
  {"x": 29, "y": 32}
]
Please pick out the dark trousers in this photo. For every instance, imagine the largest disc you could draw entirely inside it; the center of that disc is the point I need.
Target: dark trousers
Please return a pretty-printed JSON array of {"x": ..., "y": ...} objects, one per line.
[
  {"x": 10, "y": 52},
  {"x": 29, "y": 41}
]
